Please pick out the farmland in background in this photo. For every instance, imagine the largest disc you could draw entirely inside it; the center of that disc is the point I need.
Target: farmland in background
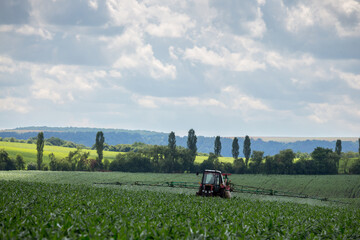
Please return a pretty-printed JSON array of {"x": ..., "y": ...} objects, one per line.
[
  {"x": 68, "y": 205},
  {"x": 270, "y": 145},
  {"x": 28, "y": 151}
]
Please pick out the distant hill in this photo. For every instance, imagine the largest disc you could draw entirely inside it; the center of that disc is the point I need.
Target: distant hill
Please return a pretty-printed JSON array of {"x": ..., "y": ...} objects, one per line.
[{"x": 270, "y": 145}]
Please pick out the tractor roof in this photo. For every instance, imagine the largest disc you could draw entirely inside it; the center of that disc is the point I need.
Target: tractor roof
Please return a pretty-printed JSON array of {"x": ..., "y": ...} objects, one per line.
[{"x": 213, "y": 171}]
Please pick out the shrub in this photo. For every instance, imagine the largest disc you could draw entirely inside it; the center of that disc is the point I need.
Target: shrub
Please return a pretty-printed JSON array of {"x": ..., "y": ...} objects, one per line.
[
  {"x": 355, "y": 168},
  {"x": 31, "y": 166},
  {"x": 6, "y": 163},
  {"x": 20, "y": 164}
]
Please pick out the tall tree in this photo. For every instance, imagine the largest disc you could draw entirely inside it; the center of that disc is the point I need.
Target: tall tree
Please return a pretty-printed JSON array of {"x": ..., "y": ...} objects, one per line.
[
  {"x": 99, "y": 145},
  {"x": 172, "y": 150},
  {"x": 359, "y": 147},
  {"x": 191, "y": 141},
  {"x": 235, "y": 148},
  {"x": 217, "y": 146},
  {"x": 247, "y": 149},
  {"x": 338, "y": 147},
  {"x": 172, "y": 142},
  {"x": 40, "y": 149},
  {"x": 256, "y": 159}
]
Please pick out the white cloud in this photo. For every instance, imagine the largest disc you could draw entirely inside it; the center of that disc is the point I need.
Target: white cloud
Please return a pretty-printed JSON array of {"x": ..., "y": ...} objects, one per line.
[
  {"x": 341, "y": 111},
  {"x": 192, "y": 102},
  {"x": 257, "y": 28},
  {"x": 235, "y": 61},
  {"x": 235, "y": 99},
  {"x": 144, "y": 57},
  {"x": 27, "y": 30},
  {"x": 344, "y": 15},
  {"x": 7, "y": 64},
  {"x": 93, "y": 4},
  {"x": 19, "y": 105},
  {"x": 353, "y": 80},
  {"x": 279, "y": 61},
  {"x": 172, "y": 53},
  {"x": 156, "y": 20}
]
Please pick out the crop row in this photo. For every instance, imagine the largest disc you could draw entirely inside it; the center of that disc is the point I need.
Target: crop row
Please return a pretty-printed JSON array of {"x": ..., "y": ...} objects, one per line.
[{"x": 42, "y": 210}]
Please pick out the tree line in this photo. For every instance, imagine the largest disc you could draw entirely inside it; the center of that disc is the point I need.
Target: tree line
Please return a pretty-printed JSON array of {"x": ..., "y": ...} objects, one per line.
[{"x": 173, "y": 158}]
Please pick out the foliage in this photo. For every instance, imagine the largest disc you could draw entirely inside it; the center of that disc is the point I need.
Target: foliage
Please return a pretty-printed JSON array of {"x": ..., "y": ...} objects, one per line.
[
  {"x": 325, "y": 161},
  {"x": 191, "y": 141},
  {"x": 338, "y": 147},
  {"x": 235, "y": 148},
  {"x": 239, "y": 166},
  {"x": 355, "y": 168},
  {"x": 217, "y": 146},
  {"x": 19, "y": 162},
  {"x": 40, "y": 149},
  {"x": 247, "y": 149},
  {"x": 31, "y": 166},
  {"x": 256, "y": 159},
  {"x": 6, "y": 163},
  {"x": 99, "y": 145}
]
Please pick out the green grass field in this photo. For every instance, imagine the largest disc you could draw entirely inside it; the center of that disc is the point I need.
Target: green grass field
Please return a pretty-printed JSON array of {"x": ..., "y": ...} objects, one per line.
[
  {"x": 28, "y": 151},
  {"x": 57, "y": 205}
]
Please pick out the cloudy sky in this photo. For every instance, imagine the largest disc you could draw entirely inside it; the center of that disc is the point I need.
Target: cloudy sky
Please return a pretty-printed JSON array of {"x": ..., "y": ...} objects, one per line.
[{"x": 229, "y": 68}]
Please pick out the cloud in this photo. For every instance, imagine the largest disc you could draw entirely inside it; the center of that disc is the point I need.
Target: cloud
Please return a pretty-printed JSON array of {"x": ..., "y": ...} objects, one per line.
[
  {"x": 279, "y": 61},
  {"x": 257, "y": 27},
  {"x": 158, "y": 21},
  {"x": 93, "y": 4},
  {"x": 19, "y": 105},
  {"x": 234, "y": 61},
  {"x": 353, "y": 80},
  {"x": 192, "y": 102},
  {"x": 27, "y": 30},
  {"x": 340, "y": 111},
  {"x": 144, "y": 57},
  {"x": 7, "y": 64},
  {"x": 57, "y": 83},
  {"x": 235, "y": 99},
  {"x": 344, "y": 15}
]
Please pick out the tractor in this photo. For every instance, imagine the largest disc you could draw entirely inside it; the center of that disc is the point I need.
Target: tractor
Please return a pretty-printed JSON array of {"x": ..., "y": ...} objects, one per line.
[{"x": 214, "y": 183}]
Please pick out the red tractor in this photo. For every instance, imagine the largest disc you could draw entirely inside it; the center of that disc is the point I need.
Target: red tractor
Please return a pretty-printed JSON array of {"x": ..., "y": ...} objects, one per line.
[{"x": 215, "y": 183}]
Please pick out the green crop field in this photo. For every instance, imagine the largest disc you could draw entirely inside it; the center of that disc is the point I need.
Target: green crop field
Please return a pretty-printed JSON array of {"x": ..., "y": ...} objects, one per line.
[{"x": 54, "y": 205}]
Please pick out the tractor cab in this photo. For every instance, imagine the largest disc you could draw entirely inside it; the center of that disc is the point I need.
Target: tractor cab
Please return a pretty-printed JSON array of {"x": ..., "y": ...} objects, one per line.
[{"x": 214, "y": 184}]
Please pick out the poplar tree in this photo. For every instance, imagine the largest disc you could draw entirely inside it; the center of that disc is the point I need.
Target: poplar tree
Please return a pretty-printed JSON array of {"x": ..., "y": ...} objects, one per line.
[
  {"x": 338, "y": 147},
  {"x": 191, "y": 141},
  {"x": 99, "y": 145},
  {"x": 172, "y": 142},
  {"x": 235, "y": 148},
  {"x": 217, "y": 146},
  {"x": 247, "y": 149},
  {"x": 40, "y": 149}
]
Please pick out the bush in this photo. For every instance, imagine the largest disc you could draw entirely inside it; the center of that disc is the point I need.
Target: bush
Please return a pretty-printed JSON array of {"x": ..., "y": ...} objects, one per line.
[
  {"x": 20, "y": 164},
  {"x": 355, "y": 168},
  {"x": 31, "y": 166},
  {"x": 6, "y": 163},
  {"x": 106, "y": 164}
]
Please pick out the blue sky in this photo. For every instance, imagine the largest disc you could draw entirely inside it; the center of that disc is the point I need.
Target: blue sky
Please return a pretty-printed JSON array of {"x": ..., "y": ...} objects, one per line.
[{"x": 229, "y": 68}]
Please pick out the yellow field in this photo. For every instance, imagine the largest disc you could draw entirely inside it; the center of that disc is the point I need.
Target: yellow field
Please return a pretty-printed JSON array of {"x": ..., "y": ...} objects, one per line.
[{"x": 28, "y": 151}]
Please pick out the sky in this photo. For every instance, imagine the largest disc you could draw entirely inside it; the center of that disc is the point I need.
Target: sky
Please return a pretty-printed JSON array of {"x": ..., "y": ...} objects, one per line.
[{"x": 228, "y": 68}]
